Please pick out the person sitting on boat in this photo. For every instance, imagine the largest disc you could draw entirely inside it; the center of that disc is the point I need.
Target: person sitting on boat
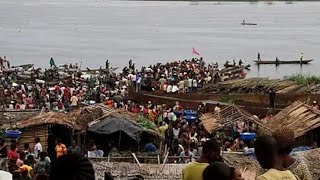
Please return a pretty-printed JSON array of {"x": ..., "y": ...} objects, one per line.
[
  {"x": 259, "y": 59},
  {"x": 226, "y": 64},
  {"x": 243, "y": 22},
  {"x": 216, "y": 77},
  {"x": 240, "y": 62}
]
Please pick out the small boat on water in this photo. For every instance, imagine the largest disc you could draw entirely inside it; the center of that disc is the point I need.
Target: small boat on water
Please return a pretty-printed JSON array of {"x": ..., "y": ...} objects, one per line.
[
  {"x": 249, "y": 24},
  {"x": 24, "y": 66},
  {"x": 284, "y": 62}
]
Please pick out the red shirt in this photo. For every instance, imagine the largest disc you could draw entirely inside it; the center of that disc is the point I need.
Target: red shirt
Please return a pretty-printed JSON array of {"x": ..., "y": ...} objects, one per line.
[
  {"x": 67, "y": 93},
  {"x": 13, "y": 155},
  {"x": 60, "y": 105},
  {"x": 57, "y": 88}
]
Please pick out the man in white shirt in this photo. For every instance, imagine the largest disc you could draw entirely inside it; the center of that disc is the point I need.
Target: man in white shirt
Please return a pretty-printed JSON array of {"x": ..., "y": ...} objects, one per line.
[
  {"x": 194, "y": 85},
  {"x": 37, "y": 148},
  {"x": 176, "y": 131},
  {"x": 169, "y": 88},
  {"x": 4, "y": 175},
  {"x": 138, "y": 83},
  {"x": 190, "y": 84},
  {"x": 175, "y": 88},
  {"x": 181, "y": 86}
]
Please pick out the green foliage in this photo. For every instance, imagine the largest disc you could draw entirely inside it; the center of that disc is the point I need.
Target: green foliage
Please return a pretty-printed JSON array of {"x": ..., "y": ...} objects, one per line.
[
  {"x": 2, "y": 133},
  {"x": 304, "y": 79},
  {"x": 145, "y": 123},
  {"x": 226, "y": 99}
]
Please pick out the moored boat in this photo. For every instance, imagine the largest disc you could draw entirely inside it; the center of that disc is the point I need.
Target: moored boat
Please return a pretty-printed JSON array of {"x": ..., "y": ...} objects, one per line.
[{"x": 284, "y": 62}]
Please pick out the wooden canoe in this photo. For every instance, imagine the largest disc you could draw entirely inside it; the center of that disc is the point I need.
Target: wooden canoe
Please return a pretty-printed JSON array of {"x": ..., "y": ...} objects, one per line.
[
  {"x": 249, "y": 24},
  {"x": 284, "y": 62},
  {"x": 24, "y": 66}
]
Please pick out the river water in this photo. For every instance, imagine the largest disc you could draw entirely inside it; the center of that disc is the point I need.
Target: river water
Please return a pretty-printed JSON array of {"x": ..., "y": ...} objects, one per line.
[{"x": 91, "y": 31}]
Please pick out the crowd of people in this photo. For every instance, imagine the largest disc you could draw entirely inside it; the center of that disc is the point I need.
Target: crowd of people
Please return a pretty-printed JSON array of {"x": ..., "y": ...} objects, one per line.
[
  {"x": 32, "y": 163},
  {"x": 60, "y": 88},
  {"x": 272, "y": 153},
  {"x": 183, "y": 76},
  {"x": 62, "y": 95},
  {"x": 186, "y": 139}
]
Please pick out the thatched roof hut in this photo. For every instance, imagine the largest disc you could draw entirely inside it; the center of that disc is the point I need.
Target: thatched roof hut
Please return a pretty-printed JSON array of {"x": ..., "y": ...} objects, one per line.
[
  {"x": 13, "y": 116},
  {"x": 77, "y": 119},
  {"x": 51, "y": 125},
  {"x": 299, "y": 117},
  {"x": 228, "y": 116}
]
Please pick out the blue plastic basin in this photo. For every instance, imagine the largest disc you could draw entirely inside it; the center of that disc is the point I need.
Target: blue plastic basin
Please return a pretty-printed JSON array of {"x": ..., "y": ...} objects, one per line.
[
  {"x": 190, "y": 119},
  {"x": 247, "y": 136},
  {"x": 178, "y": 113},
  {"x": 13, "y": 134},
  {"x": 190, "y": 112}
]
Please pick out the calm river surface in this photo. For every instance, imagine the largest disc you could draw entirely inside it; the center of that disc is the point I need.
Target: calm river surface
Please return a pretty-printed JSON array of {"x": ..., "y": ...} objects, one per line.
[{"x": 91, "y": 31}]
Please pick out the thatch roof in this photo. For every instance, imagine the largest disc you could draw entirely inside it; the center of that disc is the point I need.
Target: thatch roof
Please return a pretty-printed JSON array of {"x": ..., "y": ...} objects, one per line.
[
  {"x": 240, "y": 161},
  {"x": 12, "y": 116},
  {"x": 298, "y": 116},
  {"x": 77, "y": 119},
  {"x": 311, "y": 158},
  {"x": 228, "y": 115}
]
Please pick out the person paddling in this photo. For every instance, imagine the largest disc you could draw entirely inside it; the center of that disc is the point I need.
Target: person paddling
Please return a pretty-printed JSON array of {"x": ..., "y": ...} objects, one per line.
[{"x": 259, "y": 59}]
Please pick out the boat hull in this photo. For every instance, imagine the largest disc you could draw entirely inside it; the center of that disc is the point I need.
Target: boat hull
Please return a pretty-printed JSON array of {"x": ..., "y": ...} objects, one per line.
[
  {"x": 249, "y": 24},
  {"x": 284, "y": 62}
]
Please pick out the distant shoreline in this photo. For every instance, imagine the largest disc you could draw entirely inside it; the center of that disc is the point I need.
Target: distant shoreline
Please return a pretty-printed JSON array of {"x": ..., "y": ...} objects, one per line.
[{"x": 236, "y": 0}]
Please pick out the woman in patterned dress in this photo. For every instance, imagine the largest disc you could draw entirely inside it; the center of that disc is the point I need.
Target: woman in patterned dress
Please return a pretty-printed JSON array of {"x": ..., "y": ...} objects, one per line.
[{"x": 285, "y": 140}]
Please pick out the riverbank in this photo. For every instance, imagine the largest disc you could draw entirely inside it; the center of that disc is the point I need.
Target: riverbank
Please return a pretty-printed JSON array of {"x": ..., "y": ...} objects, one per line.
[{"x": 93, "y": 32}]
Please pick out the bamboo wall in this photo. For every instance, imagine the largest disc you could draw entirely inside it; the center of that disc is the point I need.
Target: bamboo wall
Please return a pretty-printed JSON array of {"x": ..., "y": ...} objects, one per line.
[
  {"x": 148, "y": 171},
  {"x": 29, "y": 134}
]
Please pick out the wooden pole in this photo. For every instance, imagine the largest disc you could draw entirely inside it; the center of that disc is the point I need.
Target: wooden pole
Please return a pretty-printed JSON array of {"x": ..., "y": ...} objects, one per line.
[
  {"x": 164, "y": 161},
  {"x": 135, "y": 157}
]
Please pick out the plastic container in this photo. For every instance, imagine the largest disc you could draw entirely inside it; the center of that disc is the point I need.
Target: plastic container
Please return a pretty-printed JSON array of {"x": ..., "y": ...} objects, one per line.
[
  {"x": 190, "y": 113},
  {"x": 247, "y": 136},
  {"x": 178, "y": 113},
  {"x": 13, "y": 134},
  {"x": 190, "y": 119}
]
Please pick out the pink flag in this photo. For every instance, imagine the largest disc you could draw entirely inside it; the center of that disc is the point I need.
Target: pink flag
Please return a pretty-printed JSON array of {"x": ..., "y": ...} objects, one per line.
[{"x": 195, "y": 52}]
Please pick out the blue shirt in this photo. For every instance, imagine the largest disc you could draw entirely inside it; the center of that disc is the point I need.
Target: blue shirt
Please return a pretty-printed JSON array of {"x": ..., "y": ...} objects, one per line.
[{"x": 150, "y": 148}]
